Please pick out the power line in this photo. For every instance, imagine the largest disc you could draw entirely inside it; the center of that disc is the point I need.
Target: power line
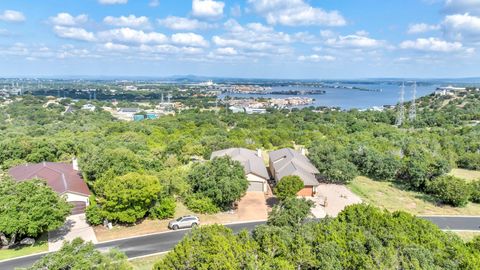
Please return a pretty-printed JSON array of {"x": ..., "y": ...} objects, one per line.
[{"x": 401, "y": 106}]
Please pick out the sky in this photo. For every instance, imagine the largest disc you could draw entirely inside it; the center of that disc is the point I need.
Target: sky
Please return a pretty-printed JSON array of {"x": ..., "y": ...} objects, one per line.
[{"x": 289, "y": 39}]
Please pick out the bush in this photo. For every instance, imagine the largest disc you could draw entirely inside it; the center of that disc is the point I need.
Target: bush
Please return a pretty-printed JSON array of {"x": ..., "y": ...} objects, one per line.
[
  {"x": 291, "y": 212},
  {"x": 163, "y": 209},
  {"x": 475, "y": 191},
  {"x": 201, "y": 205},
  {"x": 450, "y": 190},
  {"x": 288, "y": 187},
  {"x": 93, "y": 212},
  {"x": 469, "y": 161}
]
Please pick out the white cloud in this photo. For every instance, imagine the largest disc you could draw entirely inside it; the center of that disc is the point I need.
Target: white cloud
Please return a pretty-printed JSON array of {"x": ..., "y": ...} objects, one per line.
[
  {"x": 128, "y": 35},
  {"x": 189, "y": 39},
  {"x": 207, "y": 8},
  {"x": 128, "y": 21},
  {"x": 115, "y": 47},
  {"x": 355, "y": 42},
  {"x": 112, "y": 2},
  {"x": 434, "y": 45},
  {"x": 422, "y": 28},
  {"x": 67, "y": 19},
  {"x": 12, "y": 16},
  {"x": 186, "y": 24},
  {"x": 226, "y": 51},
  {"x": 295, "y": 12},
  {"x": 317, "y": 58},
  {"x": 75, "y": 33},
  {"x": 462, "y": 26}
]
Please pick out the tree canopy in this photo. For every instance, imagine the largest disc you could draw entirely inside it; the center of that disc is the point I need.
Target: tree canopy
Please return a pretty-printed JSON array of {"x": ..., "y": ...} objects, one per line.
[
  {"x": 221, "y": 179},
  {"x": 30, "y": 208},
  {"x": 288, "y": 187}
]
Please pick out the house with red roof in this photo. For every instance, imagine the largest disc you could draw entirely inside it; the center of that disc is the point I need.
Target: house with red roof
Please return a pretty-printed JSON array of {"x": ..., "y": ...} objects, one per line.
[{"x": 63, "y": 178}]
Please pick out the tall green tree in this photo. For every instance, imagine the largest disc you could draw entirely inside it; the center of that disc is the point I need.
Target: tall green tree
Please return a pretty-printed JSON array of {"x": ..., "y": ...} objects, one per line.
[
  {"x": 290, "y": 212},
  {"x": 222, "y": 180},
  {"x": 127, "y": 198},
  {"x": 30, "y": 208}
]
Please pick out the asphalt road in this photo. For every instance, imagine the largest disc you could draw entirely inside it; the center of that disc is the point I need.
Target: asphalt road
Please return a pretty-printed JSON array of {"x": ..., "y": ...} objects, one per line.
[
  {"x": 156, "y": 243},
  {"x": 133, "y": 247}
]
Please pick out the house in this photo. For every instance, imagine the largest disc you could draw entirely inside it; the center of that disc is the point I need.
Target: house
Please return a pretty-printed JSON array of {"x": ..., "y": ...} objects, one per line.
[
  {"x": 63, "y": 178},
  {"x": 285, "y": 162},
  {"x": 257, "y": 174}
]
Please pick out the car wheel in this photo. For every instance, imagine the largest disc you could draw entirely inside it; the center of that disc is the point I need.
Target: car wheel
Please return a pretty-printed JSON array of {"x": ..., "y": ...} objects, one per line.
[
  {"x": 194, "y": 225},
  {"x": 175, "y": 227}
]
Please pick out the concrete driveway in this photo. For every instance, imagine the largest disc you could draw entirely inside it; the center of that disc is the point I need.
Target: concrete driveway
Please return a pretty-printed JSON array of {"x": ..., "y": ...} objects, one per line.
[
  {"x": 338, "y": 197},
  {"x": 75, "y": 226},
  {"x": 253, "y": 206}
]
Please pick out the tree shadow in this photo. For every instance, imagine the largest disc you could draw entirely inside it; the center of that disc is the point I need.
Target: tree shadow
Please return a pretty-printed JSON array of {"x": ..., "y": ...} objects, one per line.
[
  {"x": 59, "y": 234},
  {"x": 272, "y": 201}
]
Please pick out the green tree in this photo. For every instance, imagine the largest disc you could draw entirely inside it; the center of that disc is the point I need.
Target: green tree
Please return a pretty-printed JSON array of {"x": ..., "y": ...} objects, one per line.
[
  {"x": 222, "y": 180},
  {"x": 82, "y": 256},
  {"x": 164, "y": 208},
  {"x": 290, "y": 212},
  {"x": 333, "y": 162},
  {"x": 30, "y": 208},
  {"x": 450, "y": 190},
  {"x": 288, "y": 187},
  {"x": 127, "y": 198},
  {"x": 212, "y": 247},
  {"x": 475, "y": 191}
]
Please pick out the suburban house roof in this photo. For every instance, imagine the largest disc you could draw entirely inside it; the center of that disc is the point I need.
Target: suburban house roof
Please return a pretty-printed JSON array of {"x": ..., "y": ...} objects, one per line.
[
  {"x": 249, "y": 159},
  {"x": 61, "y": 177},
  {"x": 290, "y": 162}
]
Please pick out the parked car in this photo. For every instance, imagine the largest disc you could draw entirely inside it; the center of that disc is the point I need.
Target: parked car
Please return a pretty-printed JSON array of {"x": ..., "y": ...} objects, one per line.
[{"x": 184, "y": 222}]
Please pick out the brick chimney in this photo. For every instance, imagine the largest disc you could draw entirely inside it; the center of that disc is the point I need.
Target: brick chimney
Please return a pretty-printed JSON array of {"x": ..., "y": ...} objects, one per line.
[{"x": 75, "y": 164}]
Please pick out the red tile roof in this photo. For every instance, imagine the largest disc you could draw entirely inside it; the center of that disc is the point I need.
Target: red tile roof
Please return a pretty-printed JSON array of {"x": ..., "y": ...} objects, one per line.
[{"x": 61, "y": 177}]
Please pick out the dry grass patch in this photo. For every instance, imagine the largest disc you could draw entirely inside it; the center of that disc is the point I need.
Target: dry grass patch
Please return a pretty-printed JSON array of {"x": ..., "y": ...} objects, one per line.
[
  {"x": 146, "y": 263},
  {"x": 387, "y": 195},
  {"x": 467, "y": 236},
  {"x": 148, "y": 226},
  {"x": 468, "y": 175}
]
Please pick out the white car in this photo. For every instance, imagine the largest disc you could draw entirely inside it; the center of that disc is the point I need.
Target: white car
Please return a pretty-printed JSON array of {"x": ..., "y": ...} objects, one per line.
[{"x": 184, "y": 222}]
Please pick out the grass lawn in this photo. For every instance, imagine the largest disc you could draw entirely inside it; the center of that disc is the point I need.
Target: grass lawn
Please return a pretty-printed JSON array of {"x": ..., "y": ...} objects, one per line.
[
  {"x": 40, "y": 246},
  {"x": 467, "y": 236},
  {"x": 146, "y": 263},
  {"x": 466, "y": 174},
  {"x": 391, "y": 197}
]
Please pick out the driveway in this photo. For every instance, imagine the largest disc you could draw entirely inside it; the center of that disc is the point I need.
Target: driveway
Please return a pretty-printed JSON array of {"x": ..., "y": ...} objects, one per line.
[
  {"x": 252, "y": 207},
  {"x": 75, "y": 226},
  {"x": 337, "y": 196}
]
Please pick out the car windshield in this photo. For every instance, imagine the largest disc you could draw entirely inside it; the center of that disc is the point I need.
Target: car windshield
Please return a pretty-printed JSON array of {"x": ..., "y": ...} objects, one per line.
[{"x": 179, "y": 219}]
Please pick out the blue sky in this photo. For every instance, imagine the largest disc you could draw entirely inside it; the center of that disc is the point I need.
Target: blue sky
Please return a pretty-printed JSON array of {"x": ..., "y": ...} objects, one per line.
[{"x": 241, "y": 38}]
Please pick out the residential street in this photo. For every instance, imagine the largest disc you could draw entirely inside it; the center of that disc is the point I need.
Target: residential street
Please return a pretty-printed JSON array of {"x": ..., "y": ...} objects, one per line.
[{"x": 151, "y": 244}]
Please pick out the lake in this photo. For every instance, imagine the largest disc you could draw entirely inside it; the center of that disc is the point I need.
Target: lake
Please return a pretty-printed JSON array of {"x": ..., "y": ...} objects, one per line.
[{"x": 350, "y": 98}]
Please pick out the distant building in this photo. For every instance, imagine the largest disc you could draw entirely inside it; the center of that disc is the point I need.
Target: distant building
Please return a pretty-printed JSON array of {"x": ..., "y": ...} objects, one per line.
[
  {"x": 255, "y": 111},
  {"x": 252, "y": 162},
  {"x": 235, "y": 109},
  {"x": 285, "y": 162},
  {"x": 63, "y": 178},
  {"x": 88, "y": 107},
  {"x": 128, "y": 110},
  {"x": 130, "y": 88}
]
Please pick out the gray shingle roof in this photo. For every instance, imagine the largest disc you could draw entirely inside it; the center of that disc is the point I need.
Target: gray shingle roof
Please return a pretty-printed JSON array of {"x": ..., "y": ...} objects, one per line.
[
  {"x": 250, "y": 161},
  {"x": 290, "y": 162}
]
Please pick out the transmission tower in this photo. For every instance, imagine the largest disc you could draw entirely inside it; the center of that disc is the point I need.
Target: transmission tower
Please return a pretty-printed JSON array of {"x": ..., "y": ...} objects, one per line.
[
  {"x": 413, "y": 108},
  {"x": 401, "y": 107}
]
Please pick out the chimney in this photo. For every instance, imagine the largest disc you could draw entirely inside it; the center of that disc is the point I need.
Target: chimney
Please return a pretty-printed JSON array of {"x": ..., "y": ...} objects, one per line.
[
  {"x": 75, "y": 163},
  {"x": 259, "y": 152},
  {"x": 303, "y": 151}
]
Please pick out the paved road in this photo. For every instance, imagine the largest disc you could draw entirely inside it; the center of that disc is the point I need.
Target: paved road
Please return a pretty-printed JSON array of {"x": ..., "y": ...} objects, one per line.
[
  {"x": 151, "y": 244},
  {"x": 133, "y": 247},
  {"x": 456, "y": 223}
]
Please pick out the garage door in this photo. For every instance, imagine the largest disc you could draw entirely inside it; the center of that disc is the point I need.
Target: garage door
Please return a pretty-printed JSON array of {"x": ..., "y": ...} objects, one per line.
[
  {"x": 255, "y": 186},
  {"x": 78, "y": 208}
]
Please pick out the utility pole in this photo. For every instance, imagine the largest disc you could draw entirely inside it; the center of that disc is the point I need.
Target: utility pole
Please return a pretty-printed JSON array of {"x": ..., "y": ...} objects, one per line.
[
  {"x": 413, "y": 108},
  {"x": 401, "y": 107}
]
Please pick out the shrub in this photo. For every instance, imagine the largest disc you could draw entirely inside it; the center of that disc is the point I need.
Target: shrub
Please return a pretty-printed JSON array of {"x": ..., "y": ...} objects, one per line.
[
  {"x": 291, "y": 212},
  {"x": 201, "y": 205},
  {"x": 94, "y": 213},
  {"x": 165, "y": 208},
  {"x": 475, "y": 191},
  {"x": 288, "y": 187},
  {"x": 469, "y": 161},
  {"x": 450, "y": 190}
]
